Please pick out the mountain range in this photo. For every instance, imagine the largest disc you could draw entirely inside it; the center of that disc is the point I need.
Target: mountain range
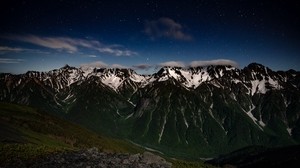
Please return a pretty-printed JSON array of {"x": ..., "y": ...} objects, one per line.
[{"x": 181, "y": 112}]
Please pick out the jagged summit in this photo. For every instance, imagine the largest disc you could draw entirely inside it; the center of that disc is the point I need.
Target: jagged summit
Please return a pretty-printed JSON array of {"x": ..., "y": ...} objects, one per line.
[
  {"x": 118, "y": 71},
  {"x": 256, "y": 75},
  {"x": 66, "y": 67},
  {"x": 255, "y": 65}
]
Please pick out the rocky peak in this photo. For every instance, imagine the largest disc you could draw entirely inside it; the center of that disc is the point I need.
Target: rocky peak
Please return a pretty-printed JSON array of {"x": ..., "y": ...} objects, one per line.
[
  {"x": 66, "y": 67},
  {"x": 255, "y": 66},
  {"x": 124, "y": 73}
]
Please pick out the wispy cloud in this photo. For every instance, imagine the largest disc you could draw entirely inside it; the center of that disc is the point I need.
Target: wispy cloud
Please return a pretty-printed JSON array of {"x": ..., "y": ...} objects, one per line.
[
  {"x": 10, "y": 61},
  {"x": 6, "y": 49},
  {"x": 166, "y": 27},
  {"x": 59, "y": 43},
  {"x": 118, "y": 66},
  {"x": 101, "y": 64},
  {"x": 11, "y": 49},
  {"x": 172, "y": 64},
  {"x": 91, "y": 56},
  {"x": 72, "y": 45},
  {"x": 142, "y": 67},
  {"x": 97, "y": 64},
  {"x": 214, "y": 62}
]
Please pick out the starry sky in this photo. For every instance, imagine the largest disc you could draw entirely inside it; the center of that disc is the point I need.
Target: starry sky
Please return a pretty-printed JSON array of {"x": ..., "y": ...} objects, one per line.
[{"x": 145, "y": 35}]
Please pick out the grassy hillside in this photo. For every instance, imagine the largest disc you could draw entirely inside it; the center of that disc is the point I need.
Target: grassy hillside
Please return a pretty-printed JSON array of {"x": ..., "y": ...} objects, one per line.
[{"x": 28, "y": 133}]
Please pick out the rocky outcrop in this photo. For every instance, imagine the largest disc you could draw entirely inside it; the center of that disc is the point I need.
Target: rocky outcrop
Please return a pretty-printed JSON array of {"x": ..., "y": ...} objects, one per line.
[{"x": 92, "y": 158}]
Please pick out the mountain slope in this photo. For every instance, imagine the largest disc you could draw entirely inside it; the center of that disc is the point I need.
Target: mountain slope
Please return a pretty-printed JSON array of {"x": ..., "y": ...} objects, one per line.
[
  {"x": 196, "y": 112},
  {"x": 26, "y": 127},
  {"x": 33, "y": 137}
]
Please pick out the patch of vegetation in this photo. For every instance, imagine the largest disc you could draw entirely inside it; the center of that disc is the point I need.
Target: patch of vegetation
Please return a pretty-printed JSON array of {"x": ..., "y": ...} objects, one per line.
[
  {"x": 15, "y": 154},
  {"x": 189, "y": 164}
]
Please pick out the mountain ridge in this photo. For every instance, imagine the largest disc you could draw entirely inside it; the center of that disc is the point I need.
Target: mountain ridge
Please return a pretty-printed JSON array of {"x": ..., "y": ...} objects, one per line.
[
  {"x": 113, "y": 77},
  {"x": 200, "y": 111}
]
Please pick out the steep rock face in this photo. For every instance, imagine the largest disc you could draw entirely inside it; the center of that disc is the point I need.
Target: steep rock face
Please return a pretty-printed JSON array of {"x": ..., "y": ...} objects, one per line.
[{"x": 201, "y": 111}]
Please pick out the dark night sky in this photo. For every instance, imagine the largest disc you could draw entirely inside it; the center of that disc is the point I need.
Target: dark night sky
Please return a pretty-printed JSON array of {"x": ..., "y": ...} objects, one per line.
[{"x": 42, "y": 35}]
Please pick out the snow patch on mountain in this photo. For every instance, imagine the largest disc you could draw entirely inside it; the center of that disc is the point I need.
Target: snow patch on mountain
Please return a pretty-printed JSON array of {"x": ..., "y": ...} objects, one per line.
[
  {"x": 131, "y": 102},
  {"x": 138, "y": 78},
  {"x": 274, "y": 83},
  {"x": 258, "y": 87},
  {"x": 162, "y": 129},
  {"x": 112, "y": 81},
  {"x": 289, "y": 130},
  {"x": 193, "y": 80},
  {"x": 249, "y": 113},
  {"x": 68, "y": 97},
  {"x": 87, "y": 71},
  {"x": 73, "y": 77},
  {"x": 190, "y": 78}
]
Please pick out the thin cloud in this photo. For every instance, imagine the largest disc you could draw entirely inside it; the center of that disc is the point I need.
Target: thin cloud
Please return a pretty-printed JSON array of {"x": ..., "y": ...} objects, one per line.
[
  {"x": 59, "y": 43},
  {"x": 6, "y": 49},
  {"x": 101, "y": 64},
  {"x": 11, "y": 49},
  {"x": 92, "y": 56},
  {"x": 141, "y": 67},
  {"x": 116, "y": 51},
  {"x": 73, "y": 45},
  {"x": 97, "y": 64},
  {"x": 166, "y": 27},
  {"x": 172, "y": 64},
  {"x": 10, "y": 61},
  {"x": 214, "y": 62},
  {"x": 118, "y": 66}
]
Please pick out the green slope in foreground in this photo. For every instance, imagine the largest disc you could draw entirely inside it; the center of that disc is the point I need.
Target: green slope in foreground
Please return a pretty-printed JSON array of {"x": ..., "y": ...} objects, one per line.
[{"x": 28, "y": 133}]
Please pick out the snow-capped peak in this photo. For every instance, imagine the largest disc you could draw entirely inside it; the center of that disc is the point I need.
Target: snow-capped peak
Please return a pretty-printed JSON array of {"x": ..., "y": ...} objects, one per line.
[
  {"x": 194, "y": 76},
  {"x": 115, "y": 77}
]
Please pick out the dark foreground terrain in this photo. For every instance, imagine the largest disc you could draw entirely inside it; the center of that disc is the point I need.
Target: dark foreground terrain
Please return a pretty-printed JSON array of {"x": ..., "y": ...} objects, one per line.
[
  {"x": 260, "y": 157},
  {"x": 93, "y": 158}
]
